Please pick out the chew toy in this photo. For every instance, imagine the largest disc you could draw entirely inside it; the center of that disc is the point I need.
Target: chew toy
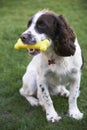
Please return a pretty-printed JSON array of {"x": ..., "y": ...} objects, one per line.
[{"x": 42, "y": 45}]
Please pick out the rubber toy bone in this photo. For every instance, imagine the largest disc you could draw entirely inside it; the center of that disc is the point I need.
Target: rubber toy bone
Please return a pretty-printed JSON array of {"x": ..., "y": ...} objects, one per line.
[{"x": 42, "y": 45}]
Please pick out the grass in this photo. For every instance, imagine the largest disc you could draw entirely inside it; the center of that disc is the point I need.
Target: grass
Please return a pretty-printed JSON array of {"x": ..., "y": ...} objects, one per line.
[{"x": 15, "y": 111}]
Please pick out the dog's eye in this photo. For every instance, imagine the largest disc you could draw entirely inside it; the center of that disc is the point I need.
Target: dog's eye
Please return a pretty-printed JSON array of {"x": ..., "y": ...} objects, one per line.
[{"x": 41, "y": 24}]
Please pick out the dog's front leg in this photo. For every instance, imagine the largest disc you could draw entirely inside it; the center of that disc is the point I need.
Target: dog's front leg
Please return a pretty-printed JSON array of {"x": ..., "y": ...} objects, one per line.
[
  {"x": 74, "y": 92},
  {"x": 45, "y": 100}
]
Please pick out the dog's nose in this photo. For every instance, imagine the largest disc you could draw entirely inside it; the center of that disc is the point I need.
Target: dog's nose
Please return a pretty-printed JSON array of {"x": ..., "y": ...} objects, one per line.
[{"x": 25, "y": 37}]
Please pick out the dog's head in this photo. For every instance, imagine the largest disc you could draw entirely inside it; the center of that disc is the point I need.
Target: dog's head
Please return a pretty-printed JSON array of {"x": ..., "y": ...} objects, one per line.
[{"x": 48, "y": 25}]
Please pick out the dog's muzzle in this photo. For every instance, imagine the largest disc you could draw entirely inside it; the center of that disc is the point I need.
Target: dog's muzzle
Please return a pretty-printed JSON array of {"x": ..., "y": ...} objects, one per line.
[{"x": 33, "y": 52}]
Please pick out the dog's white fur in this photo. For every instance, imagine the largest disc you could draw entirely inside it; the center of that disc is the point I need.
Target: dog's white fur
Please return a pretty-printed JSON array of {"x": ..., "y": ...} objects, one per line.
[{"x": 40, "y": 77}]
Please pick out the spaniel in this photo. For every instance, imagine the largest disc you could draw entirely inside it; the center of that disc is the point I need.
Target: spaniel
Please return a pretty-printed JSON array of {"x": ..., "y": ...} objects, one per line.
[{"x": 50, "y": 72}]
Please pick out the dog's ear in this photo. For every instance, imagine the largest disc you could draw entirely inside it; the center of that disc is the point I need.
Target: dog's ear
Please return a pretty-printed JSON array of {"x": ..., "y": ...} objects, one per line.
[{"x": 65, "y": 38}]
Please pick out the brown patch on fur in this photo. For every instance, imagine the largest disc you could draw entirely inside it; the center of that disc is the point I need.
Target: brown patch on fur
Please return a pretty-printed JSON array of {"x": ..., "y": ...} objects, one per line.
[{"x": 64, "y": 45}]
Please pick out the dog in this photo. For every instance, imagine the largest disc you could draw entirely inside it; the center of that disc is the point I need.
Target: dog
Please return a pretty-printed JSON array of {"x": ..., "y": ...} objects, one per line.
[{"x": 50, "y": 72}]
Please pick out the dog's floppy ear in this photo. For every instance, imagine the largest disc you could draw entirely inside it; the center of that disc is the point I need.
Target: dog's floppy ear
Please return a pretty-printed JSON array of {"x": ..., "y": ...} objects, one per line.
[{"x": 64, "y": 45}]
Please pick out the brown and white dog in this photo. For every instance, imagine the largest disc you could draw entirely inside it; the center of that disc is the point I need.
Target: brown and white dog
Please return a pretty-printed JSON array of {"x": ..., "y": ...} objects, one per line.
[{"x": 50, "y": 72}]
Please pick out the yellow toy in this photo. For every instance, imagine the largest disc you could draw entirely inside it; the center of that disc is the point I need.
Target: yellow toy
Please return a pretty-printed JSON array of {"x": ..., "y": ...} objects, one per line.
[{"x": 42, "y": 45}]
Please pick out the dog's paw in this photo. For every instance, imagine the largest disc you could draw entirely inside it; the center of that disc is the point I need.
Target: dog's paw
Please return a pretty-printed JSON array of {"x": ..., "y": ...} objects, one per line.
[
  {"x": 62, "y": 91},
  {"x": 52, "y": 117},
  {"x": 33, "y": 101},
  {"x": 76, "y": 114}
]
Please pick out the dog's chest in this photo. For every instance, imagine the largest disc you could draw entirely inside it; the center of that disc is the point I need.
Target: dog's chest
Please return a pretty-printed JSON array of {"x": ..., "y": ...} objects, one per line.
[
  {"x": 58, "y": 73},
  {"x": 56, "y": 64}
]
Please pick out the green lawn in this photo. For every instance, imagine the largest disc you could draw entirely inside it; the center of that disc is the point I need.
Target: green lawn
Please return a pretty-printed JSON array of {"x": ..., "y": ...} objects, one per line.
[{"x": 15, "y": 111}]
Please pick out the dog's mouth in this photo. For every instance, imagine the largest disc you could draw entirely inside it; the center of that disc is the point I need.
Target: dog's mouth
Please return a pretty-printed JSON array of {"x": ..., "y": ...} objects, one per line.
[{"x": 33, "y": 52}]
